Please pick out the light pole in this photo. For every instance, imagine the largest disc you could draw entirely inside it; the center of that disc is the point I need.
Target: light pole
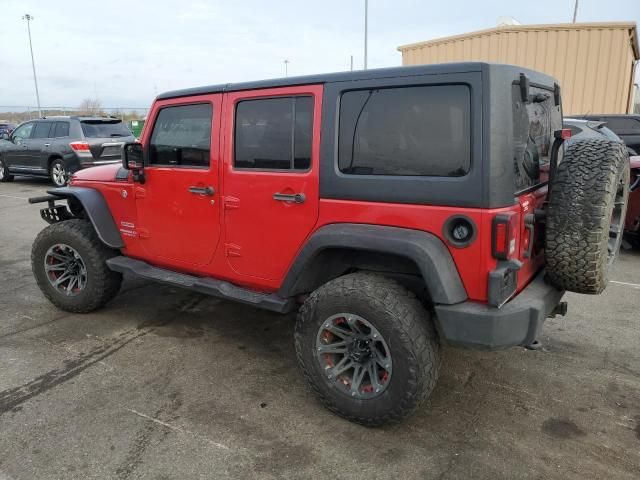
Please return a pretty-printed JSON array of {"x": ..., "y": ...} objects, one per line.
[
  {"x": 28, "y": 18},
  {"x": 366, "y": 13},
  {"x": 286, "y": 68},
  {"x": 575, "y": 11}
]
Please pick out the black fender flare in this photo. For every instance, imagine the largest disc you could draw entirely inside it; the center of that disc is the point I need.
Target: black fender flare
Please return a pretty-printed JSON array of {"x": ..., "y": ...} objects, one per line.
[
  {"x": 97, "y": 210},
  {"x": 425, "y": 249}
]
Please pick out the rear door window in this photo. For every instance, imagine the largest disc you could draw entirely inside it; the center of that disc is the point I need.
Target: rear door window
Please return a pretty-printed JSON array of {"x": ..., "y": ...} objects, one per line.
[
  {"x": 41, "y": 130},
  {"x": 61, "y": 130},
  {"x": 274, "y": 133},
  {"x": 410, "y": 131},
  {"x": 182, "y": 136},
  {"x": 104, "y": 129}
]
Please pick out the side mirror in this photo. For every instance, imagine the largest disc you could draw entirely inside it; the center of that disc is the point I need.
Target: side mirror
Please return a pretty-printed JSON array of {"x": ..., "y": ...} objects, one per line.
[{"x": 133, "y": 159}]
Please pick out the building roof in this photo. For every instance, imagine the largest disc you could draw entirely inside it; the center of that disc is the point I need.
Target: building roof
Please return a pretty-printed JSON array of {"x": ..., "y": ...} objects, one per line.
[{"x": 631, "y": 26}]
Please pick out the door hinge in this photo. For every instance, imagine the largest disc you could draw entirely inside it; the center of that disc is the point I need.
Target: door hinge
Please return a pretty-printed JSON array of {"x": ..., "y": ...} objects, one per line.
[
  {"x": 231, "y": 202},
  {"x": 143, "y": 233},
  {"x": 232, "y": 250}
]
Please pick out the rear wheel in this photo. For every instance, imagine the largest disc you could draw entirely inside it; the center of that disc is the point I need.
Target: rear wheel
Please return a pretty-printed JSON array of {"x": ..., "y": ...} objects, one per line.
[
  {"x": 586, "y": 214},
  {"x": 5, "y": 176},
  {"x": 58, "y": 173},
  {"x": 69, "y": 264},
  {"x": 368, "y": 348}
]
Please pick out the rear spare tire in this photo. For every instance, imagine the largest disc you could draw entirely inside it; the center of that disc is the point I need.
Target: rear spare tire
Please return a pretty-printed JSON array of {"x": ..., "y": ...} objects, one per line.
[{"x": 585, "y": 215}]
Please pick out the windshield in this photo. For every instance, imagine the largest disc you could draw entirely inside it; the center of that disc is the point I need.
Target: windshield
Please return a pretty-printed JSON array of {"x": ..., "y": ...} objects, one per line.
[{"x": 102, "y": 129}]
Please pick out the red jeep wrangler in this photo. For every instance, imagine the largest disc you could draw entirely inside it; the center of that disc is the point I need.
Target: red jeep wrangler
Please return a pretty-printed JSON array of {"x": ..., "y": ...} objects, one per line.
[{"x": 400, "y": 207}]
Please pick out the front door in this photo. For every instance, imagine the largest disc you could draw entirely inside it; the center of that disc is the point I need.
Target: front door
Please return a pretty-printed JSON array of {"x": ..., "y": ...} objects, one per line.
[
  {"x": 178, "y": 207},
  {"x": 270, "y": 177},
  {"x": 17, "y": 154}
]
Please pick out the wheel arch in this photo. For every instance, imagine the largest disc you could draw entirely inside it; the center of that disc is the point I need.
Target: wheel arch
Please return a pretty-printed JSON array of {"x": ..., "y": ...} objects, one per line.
[
  {"x": 97, "y": 210},
  {"x": 52, "y": 157},
  {"x": 336, "y": 249}
]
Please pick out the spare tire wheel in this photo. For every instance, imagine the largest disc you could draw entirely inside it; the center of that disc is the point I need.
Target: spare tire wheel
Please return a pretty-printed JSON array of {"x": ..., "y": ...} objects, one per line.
[{"x": 585, "y": 215}]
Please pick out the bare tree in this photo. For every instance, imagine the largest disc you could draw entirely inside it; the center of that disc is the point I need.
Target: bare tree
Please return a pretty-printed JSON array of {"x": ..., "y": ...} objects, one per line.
[{"x": 90, "y": 106}]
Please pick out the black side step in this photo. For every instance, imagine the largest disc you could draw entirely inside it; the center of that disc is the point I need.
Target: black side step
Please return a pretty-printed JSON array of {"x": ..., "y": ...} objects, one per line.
[{"x": 209, "y": 286}]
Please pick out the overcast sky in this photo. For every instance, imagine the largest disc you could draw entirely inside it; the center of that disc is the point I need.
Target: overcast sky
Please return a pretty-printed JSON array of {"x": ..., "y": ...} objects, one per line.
[{"x": 126, "y": 52}]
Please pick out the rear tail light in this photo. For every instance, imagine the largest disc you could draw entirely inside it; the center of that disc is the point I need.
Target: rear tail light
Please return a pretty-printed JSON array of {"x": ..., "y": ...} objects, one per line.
[
  {"x": 80, "y": 146},
  {"x": 503, "y": 243},
  {"x": 564, "y": 134}
]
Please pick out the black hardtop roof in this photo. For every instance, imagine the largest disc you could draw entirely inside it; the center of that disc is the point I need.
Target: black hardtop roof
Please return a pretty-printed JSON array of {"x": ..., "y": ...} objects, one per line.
[{"x": 331, "y": 77}]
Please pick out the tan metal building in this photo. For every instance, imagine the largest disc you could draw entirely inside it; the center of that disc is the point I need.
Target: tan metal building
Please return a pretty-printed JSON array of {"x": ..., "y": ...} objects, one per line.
[{"x": 595, "y": 63}]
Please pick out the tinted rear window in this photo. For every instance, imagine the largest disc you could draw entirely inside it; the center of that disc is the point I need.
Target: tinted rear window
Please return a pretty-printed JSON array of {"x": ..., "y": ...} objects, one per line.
[
  {"x": 102, "y": 129},
  {"x": 533, "y": 125},
  {"x": 61, "y": 129},
  {"x": 274, "y": 133},
  {"x": 417, "y": 131}
]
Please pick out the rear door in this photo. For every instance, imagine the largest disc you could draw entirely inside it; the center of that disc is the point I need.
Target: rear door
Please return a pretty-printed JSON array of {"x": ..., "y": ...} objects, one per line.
[
  {"x": 533, "y": 125},
  {"x": 177, "y": 205},
  {"x": 38, "y": 151},
  {"x": 270, "y": 177},
  {"x": 105, "y": 138}
]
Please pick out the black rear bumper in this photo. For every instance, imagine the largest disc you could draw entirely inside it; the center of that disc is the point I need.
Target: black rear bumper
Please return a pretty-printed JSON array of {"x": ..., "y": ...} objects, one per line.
[{"x": 518, "y": 322}]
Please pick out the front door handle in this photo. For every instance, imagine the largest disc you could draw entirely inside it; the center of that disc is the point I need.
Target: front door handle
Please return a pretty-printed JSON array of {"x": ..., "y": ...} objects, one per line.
[
  {"x": 289, "y": 197},
  {"x": 202, "y": 190},
  {"x": 47, "y": 144}
]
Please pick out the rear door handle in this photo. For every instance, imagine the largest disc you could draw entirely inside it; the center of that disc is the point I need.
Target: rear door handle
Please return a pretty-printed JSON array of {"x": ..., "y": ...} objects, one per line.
[
  {"x": 47, "y": 144},
  {"x": 202, "y": 190},
  {"x": 289, "y": 197}
]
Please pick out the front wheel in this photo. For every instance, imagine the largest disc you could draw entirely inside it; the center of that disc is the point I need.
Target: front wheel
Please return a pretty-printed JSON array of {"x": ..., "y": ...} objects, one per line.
[
  {"x": 69, "y": 263},
  {"x": 58, "y": 173},
  {"x": 368, "y": 348}
]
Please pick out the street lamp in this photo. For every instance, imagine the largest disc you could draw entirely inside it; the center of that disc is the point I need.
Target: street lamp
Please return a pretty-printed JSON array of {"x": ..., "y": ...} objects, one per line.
[
  {"x": 286, "y": 68},
  {"x": 28, "y": 18},
  {"x": 366, "y": 13}
]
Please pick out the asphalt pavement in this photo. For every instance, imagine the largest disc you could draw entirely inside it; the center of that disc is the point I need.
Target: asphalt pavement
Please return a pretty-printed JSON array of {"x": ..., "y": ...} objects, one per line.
[{"x": 168, "y": 384}]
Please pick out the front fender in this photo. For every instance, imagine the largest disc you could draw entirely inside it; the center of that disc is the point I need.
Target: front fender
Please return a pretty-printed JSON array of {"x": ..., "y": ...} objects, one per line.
[{"x": 97, "y": 210}]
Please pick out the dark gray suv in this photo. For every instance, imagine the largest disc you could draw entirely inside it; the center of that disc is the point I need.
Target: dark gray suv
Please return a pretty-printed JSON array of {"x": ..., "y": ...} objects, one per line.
[{"x": 56, "y": 147}]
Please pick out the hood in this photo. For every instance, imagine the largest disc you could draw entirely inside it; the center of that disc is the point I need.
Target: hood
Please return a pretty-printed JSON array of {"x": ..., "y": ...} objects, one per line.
[{"x": 102, "y": 173}]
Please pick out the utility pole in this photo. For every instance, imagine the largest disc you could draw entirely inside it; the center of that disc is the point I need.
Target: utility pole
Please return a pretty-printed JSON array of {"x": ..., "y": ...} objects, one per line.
[
  {"x": 352, "y": 63},
  {"x": 28, "y": 18},
  {"x": 366, "y": 26},
  {"x": 286, "y": 68},
  {"x": 575, "y": 11}
]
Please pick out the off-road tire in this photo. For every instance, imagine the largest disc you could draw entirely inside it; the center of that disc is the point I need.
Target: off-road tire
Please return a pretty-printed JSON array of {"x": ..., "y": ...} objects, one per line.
[
  {"x": 102, "y": 283},
  {"x": 5, "y": 176},
  {"x": 407, "y": 328},
  {"x": 579, "y": 215}
]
